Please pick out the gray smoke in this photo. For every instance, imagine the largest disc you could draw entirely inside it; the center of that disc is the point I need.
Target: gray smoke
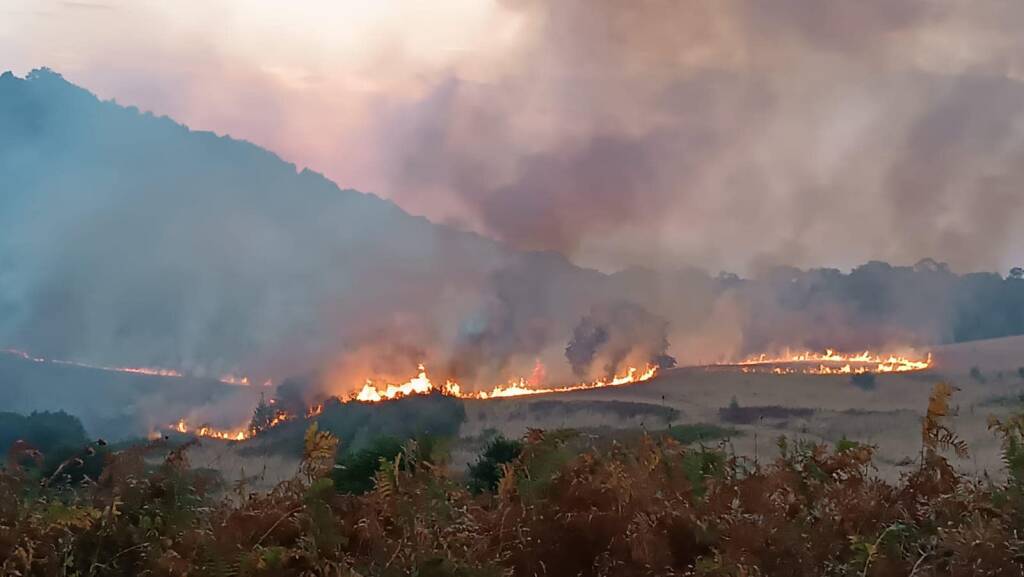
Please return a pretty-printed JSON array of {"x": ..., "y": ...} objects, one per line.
[
  {"x": 736, "y": 134},
  {"x": 127, "y": 239},
  {"x": 615, "y": 337}
]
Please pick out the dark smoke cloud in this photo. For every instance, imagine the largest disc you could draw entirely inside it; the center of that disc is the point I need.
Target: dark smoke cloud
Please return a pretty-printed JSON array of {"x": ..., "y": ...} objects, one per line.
[
  {"x": 127, "y": 239},
  {"x": 727, "y": 134}
]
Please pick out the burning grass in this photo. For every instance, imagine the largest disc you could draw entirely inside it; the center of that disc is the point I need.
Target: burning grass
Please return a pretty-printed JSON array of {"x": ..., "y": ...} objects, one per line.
[
  {"x": 831, "y": 362},
  {"x": 860, "y": 366},
  {"x": 421, "y": 384},
  {"x": 268, "y": 417}
]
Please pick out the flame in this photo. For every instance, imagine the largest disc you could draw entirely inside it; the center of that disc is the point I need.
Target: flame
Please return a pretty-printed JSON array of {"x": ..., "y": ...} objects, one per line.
[
  {"x": 240, "y": 434},
  {"x": 831, "y": 362},
  {"x": 236, "y": 434},
  {"x": 150, "y": 371},
  {"x": 421, "y": 385}
]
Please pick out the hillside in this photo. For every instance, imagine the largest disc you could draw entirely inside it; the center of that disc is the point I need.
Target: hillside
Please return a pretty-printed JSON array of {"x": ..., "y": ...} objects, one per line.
[
  {"x": 117, "y": 405},
  {"x": 127, "y": 238},
  {"x": 130, "y": 239}
]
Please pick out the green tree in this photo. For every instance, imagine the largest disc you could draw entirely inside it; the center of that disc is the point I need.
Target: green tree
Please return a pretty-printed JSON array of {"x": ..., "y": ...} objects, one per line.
[
  {"x": 485, "y": 473},
  {"x": 262, "y": 416}
]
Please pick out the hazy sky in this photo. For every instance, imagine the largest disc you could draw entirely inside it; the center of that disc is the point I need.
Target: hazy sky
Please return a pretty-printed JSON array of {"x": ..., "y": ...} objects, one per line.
[{"x": 723, "y": 133}]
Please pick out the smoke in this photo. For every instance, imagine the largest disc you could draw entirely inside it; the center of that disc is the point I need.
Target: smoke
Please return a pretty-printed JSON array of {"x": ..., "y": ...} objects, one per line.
[
  {"x": 127, "y": 239},
  {"x": 617, "y": 336},
  {"x": 727, "y": 134},
  {"x": 724, "y": 134}
]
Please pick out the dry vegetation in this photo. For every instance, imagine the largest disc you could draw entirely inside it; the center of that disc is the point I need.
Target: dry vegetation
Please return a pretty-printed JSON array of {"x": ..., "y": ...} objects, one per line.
[{"x": 645, "y": 507}]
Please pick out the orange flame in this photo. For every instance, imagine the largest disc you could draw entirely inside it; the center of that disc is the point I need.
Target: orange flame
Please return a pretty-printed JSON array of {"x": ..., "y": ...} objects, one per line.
[
  {"x": 372, "y": 392},
  {"x": 833, "y": 363},
  {"x": 240, "y": 434},
  {"x": 421, "y": 384}
]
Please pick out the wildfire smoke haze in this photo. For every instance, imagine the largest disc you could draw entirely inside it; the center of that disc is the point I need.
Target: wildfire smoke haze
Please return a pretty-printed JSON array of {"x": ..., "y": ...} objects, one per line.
[
  {"x": 663, "y": 144},
  {"x": 149, "y": 371},
  {"x": 512, "y": 287}
]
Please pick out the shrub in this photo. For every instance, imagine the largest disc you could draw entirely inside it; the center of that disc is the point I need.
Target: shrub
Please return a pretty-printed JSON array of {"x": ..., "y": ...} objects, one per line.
[
  {"x": 58, "y": 437},
  {"x": 977, "y": 375},
  {"x": 865, "y": 381},
  {"x": 738, "y": 415},
  {"x": 621, "y": 409},
  {"x": 360, "y": 424},
  {"x": 699, "y": 433},
  {"x": 485, "y": 473},
  {"x": 355, "y": 471},
  {"x": 46, "y": 431},
  {"x": 649, "y": 506}
]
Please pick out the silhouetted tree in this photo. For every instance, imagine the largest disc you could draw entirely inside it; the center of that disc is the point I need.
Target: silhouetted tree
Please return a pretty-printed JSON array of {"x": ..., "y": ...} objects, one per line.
[{"x": 262, "y": 416}]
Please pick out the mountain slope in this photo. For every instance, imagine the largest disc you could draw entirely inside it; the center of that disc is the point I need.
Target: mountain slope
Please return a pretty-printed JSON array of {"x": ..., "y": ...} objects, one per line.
[
  {"x": 127, "y": 238},
  {"x": 117, "y": 405}
]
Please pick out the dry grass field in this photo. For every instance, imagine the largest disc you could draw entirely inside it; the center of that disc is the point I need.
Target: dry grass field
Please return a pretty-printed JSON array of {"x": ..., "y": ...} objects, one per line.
[
  {"x": 822, "y": 408},
  {"x": 888, "y": 415}
]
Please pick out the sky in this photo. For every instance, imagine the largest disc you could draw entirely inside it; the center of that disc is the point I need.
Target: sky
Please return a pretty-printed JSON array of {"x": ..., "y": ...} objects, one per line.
[{"x": 728, "y": 134}]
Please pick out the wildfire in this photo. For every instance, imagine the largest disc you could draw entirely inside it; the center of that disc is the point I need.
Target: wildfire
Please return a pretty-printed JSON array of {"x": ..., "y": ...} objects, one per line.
[
  {"x": 372, "y": 392},
  {"x": 150, "y": 371},
  {"x": 421, "y": 384},
  {"x": 207, "y": 431},
  {"x": 237, "y": 434},
  {"x": 418, "y": 385},
  {"x": 831, "y": 362}
]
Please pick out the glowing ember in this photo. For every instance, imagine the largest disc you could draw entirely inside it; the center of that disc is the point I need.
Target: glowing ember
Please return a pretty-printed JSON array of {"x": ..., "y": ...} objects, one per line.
[{"x": 832, "y": 363}]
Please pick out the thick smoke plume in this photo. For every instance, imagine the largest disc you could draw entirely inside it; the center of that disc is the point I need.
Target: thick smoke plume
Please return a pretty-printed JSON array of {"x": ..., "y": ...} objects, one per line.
[
  {"x": 127, "y": 239},
  {"x": 615, "y": 337},
  {"x": 739, "y": 133},
  {"x": 728, "y": 134}
]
